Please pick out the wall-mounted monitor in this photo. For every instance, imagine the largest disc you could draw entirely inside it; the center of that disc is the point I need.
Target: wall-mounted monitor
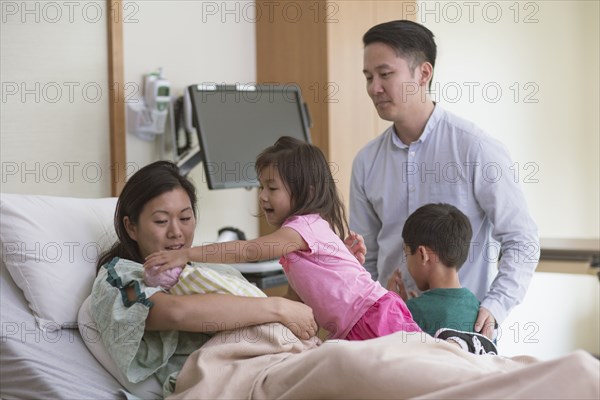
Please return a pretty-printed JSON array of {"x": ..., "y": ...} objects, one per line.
[{"x": 235, "y": 123}]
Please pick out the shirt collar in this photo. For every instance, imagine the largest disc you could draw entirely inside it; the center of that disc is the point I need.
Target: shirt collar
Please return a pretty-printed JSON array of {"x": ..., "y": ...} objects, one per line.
[{"x": 436, "y": 115}]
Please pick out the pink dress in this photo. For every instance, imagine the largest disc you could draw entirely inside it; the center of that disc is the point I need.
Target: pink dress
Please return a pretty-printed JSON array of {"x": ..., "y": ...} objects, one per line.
[{"x": 345, "y": 300}]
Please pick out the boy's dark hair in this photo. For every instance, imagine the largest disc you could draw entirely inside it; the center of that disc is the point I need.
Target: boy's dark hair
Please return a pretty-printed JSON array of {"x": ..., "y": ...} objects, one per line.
[
  {"x": 410, "y": 40},
  {"x": 307, "y": 176},
  {"x": 441, "y": 227}
]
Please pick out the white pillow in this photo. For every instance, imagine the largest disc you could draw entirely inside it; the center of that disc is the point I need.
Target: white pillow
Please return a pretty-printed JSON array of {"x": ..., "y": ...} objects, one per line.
[
  {"x": 147, "y": 389},
  {"x": 50, "y": 246}
]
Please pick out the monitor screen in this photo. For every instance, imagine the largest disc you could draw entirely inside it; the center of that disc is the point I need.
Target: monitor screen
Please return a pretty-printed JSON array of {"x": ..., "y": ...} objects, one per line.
[{"x": 236, "y": 122}]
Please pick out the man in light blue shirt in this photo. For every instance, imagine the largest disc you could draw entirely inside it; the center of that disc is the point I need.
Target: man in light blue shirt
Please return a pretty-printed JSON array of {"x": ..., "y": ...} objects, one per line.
[{"x": 427, "y": 156}]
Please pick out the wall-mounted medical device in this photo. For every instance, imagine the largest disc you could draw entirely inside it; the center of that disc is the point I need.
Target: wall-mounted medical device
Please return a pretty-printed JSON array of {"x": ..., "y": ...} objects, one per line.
[
  {"x": 234, "y": 123},
  {"x": 147, "y": 116}
]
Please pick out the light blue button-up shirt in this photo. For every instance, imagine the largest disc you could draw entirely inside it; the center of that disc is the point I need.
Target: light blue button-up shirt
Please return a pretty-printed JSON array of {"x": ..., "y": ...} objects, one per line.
[{"x": 452, "y": 162}]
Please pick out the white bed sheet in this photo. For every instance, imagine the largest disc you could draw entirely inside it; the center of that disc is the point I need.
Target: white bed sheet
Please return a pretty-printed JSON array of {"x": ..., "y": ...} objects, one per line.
[{"x": 36, "y": 364}]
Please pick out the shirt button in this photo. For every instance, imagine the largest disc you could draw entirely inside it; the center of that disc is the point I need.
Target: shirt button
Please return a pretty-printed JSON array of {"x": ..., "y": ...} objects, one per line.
[
  {"x": 411, "y": 188},
  {"x": 412, "y": 153}
]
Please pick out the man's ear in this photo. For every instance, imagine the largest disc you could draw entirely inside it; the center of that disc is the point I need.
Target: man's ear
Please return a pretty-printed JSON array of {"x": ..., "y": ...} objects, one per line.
[
  {"x": 130, "y": 228},
  {"x": 426, "y": 72}
]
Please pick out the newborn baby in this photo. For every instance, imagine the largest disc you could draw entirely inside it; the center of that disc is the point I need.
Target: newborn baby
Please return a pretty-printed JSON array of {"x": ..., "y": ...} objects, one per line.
[
  {"x": 166, "y": 279},
  {"x": 201, "y": 278}
]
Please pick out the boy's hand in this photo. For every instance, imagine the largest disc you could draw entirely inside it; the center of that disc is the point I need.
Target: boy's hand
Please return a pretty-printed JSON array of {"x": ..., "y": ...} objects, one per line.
[
  {"x": 356, "y": 244},
  {"x": 167, "y": 259},
  {"x": 396, "y": 284}
]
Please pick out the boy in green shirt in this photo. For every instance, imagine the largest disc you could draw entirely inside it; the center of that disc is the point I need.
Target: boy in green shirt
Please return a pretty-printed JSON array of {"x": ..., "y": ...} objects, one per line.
[{"x": 436, "y": 244}]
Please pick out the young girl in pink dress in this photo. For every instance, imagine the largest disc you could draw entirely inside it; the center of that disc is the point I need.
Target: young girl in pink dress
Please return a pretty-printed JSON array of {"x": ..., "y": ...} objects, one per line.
[{"x": 298, "y": 195}]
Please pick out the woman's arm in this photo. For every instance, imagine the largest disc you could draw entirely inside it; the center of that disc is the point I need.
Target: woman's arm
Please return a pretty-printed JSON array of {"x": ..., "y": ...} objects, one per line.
[
  {"x": 217, "y": 312},
  {"x": 273, "y": 245}
]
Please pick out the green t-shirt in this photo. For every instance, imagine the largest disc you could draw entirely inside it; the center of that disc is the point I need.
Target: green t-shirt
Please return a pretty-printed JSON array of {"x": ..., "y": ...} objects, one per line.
[{"x": 445, "y": 308}]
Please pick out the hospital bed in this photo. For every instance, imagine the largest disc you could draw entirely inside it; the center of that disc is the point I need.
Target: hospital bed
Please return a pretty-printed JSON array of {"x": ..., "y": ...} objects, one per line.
[{"x": 50, "y": 348}]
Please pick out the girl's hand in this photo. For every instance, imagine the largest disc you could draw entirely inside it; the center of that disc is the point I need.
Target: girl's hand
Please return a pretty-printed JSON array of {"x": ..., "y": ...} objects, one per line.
[
  {"x": 298, "y": 317},
  {"x": 167, "y": 259},
  {"x": 356, "y": 244}
]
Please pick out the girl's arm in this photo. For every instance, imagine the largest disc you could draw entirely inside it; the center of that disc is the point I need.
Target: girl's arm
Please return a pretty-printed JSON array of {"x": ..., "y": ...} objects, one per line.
[
  {"x": 271, "y": 246},
  {"x": 217, "y": 312}
]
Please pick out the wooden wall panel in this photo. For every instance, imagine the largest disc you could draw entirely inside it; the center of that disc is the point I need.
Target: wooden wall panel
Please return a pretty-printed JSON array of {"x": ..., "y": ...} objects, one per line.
[
  {"x": 353, "y": 120},
  {"x": 291, "y": 48},
  {"x": 116, "y": 81}
]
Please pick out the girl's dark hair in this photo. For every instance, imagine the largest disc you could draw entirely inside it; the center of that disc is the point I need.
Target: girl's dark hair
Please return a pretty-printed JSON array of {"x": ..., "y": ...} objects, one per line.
[
  {"x": 410, "y": 40},
  {"x": 149, "y": 182},
  {"x": 441, "y": 227},
  {"x": 306, "y": 174}
]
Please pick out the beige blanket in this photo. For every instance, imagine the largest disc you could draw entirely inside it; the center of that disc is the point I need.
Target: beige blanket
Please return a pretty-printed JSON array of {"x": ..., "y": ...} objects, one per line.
[{"x": 269, "y": 362}]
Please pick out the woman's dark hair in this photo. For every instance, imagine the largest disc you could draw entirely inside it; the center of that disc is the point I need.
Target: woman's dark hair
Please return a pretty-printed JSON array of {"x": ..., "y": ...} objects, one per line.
[
  {"x": 410, "y": 40},
  {"x": 149, "y": 182},
  {"x": 306, "y": 174},
  {"x": 441, "y": 227}
]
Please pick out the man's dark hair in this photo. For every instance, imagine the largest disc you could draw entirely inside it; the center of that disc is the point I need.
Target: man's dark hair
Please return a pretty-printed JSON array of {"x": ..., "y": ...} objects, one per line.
[
  {"x": 441, "y": 227},
  {"x": 410, "y": 40}
]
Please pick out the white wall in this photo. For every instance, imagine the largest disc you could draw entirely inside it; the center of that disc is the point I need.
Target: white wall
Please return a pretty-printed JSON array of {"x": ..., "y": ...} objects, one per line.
[
  {"x": 549, "y": 50},
  {"x": 58, "y": 144},
  {"x": 559, "y": 314},
  {"x": 194, "y": 41},
  {"x": 54, "y": 129}
]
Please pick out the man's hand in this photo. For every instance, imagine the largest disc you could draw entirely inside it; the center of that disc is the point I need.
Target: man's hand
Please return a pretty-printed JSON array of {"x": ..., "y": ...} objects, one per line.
[
  {"x": 396, "y": 284},
  {"x": 356, "y": 244},
  {"x": 486, "y": 323}
]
